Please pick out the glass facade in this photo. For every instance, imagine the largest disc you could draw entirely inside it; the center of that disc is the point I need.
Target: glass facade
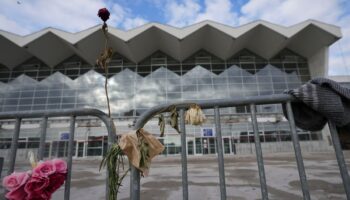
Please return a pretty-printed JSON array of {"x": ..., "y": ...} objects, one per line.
[{"x": 133, "y": 88}]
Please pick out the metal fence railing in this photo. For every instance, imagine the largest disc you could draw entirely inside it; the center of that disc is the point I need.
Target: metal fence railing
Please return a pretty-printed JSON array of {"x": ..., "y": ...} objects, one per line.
[
  {"x": 146, "y": 116},
  {"x": 72, "y": 113},
  {"x": 243, "y": 101}
]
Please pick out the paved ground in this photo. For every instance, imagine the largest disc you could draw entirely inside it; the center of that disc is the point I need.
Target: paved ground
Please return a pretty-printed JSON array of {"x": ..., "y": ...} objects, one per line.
[{"x": 164, "y": 181}]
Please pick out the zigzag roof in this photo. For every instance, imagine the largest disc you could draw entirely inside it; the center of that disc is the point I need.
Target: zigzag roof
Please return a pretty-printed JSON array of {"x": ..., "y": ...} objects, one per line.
[{"x": 52, "y": 46}]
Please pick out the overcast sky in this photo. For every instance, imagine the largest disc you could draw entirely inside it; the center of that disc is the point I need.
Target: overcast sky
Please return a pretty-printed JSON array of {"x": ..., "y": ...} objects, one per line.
[{"x": 27, "y": 16}]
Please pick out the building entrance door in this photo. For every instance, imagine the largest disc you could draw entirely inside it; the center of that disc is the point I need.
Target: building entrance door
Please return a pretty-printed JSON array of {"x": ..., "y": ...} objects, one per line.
[
  {"x": 60, "y": 148},
  {"x": 80, "y": 152},
  {"x": 227, "y": 146},
  {"x": 198, "y": 146},
  {"x": 190, "y": 148},
  {"x": 206, "y": 145}
]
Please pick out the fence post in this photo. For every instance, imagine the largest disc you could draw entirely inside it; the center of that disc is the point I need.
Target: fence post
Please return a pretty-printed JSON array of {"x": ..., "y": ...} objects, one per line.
[
  {"x": 1, "y": 164},
  {"x": 69, "y": 159},
  {"x": 220, "y": 154},
  {"x": 298, "y": 155},
  {"x": 41, "y": 149},
  {"x": 134, "y": 183},
  {"x": 14, "y": 146},
  {"x": 259, "y": 156},
  {"x": 183, "y": 155},
  {"x": 340, "y": 158}
]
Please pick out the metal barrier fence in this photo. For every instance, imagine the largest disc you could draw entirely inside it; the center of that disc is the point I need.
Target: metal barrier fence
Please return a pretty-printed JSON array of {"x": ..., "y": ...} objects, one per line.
[
  {"x": 73, "y": 113},
  {"x": 142, "y": 120},
  {"x": 252, "y": 102}
]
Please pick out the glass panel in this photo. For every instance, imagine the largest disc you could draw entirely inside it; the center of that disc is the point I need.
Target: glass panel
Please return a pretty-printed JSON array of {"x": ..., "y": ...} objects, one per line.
[
  {"x": 5, "y": 143},
  {"x": 199, "y": 146},
  {"x": 190, "y": 147},
  {"x": 157, "y": 79},
  {"x": 226, "y": 142},
  {"x": 80, "y": 149},
  {"x": 212, "y": 145},
  {"x": 33, "y": 142},
  {"x": 94, "y": 147},
  {"x": 47, "y": 149},
  {"x": 205, "y": 142}
]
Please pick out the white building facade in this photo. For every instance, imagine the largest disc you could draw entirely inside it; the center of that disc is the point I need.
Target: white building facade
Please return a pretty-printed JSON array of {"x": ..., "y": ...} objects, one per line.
[{"x": 155, "y": 64}]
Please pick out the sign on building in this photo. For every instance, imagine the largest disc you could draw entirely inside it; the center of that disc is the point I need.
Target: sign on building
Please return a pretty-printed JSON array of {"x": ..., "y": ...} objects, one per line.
[
  {"x": 64, "y": 136},
  {"x": 208, "y": 132}
]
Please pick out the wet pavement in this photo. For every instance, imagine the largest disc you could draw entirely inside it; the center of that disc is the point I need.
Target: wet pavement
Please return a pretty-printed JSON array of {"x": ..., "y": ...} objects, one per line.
[{"x": 241, "y": 175}]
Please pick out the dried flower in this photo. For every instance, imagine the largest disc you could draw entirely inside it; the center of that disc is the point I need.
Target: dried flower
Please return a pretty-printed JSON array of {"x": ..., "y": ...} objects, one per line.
[
  {"x": 32, "y": 159},
  {"x": 104, "y": 58},
  {"x": 195, "y": 115},
  {"x": 174, "y": 118},
  {"x": 161, "y": 124},
  {"x": 103, "y": 13},
  {"x": 141, "y": 147},
  {"x": 114, "y": 160}
]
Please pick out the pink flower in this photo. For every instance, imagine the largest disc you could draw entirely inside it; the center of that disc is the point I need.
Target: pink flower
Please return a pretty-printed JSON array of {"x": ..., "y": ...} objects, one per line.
[
  {"x": 56, "y": 181},
  {"x": 38, "y": 184},
  {"x": 103, "y": 13},
  {"x": 14, "y": 183},
  {"x": 60, "y": 166},
  {"x": 36, "y": 188},
  {"x": 15, "y": 180},
  {"x": 44, "y": 169}
]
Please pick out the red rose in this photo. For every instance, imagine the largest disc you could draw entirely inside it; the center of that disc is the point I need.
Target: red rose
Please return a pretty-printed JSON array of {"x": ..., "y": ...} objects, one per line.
[
  {"x": 43, "y": 197},
  {"x": 17, "y": 194},
  {"x": 56, "y": 181},
  {"x": 36, "y": 188},
  {"x": 103, "y": 13}
]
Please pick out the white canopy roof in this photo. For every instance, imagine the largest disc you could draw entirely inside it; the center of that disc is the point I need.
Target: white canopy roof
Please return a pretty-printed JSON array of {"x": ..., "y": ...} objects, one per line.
[{"x": 52, "y": 46}]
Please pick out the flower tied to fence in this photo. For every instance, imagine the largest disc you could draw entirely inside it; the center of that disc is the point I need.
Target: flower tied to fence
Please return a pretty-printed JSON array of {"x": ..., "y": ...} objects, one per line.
[
  {"x": 173, "y": 121},
  {"x": 195, "y": 115},
  {"x": 140, "y": 147},
  {"x": 39, "y": 183},
  {"x": 107, "y": 53}
]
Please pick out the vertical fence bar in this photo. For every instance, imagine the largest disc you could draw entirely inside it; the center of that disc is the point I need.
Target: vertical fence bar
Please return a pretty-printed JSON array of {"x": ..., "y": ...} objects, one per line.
[
  {"x": 69, "y": 159},
  {"x": 134, "y": 183},
  {"x": 1, "y": 164},
  {"x": 183, "y": 156},
  {"x": 340, "y": 158},
  {"x": 111, "y": 140},
  {"x": 220, "y": 154},
  {"x": 298, "y": 155},
  {"x": 14, "y": 146},
  {"x": 259, "y": 156},
  {"x": 41, "y": 149}
]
